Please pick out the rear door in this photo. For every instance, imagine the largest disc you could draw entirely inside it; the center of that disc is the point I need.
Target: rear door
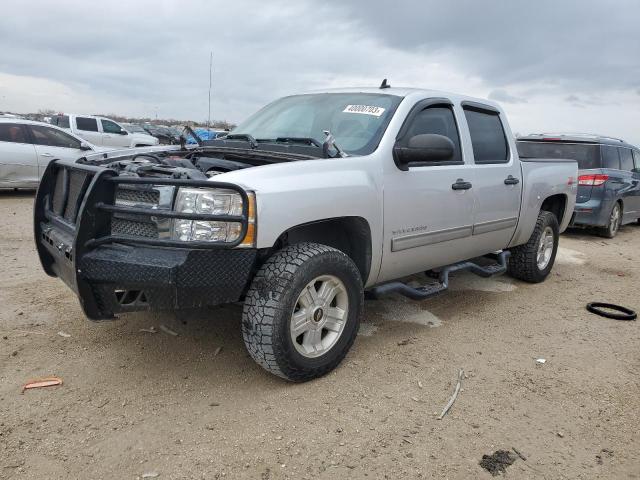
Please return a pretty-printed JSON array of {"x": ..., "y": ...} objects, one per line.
[
  {"x": 427, "y": 223},
  {"x": 113, "y": 135},
  {"x": 18, "y": 159},
  {"x": 498, "y": 182},
  {"x": 87, "y": 128},
  {"x": 51, "y": 143},
  {"x": 636, "y": 178},
  {"x": 630, "y": 193}
]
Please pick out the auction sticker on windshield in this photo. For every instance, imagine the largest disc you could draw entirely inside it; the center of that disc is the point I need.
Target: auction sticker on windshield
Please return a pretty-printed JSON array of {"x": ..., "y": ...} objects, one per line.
[{"x": 364, "y": 109}]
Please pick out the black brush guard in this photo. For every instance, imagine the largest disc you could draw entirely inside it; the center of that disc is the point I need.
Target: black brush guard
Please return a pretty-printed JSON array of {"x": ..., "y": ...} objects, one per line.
[{"x": 73, "y": 210}]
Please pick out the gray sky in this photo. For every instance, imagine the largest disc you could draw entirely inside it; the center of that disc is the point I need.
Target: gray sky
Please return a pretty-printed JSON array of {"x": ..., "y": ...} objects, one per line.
[{"x": 571, "y": 65}]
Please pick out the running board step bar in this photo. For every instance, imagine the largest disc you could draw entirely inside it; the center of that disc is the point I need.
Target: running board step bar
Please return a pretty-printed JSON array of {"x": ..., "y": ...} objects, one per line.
[{"x": 430, "y": 289}]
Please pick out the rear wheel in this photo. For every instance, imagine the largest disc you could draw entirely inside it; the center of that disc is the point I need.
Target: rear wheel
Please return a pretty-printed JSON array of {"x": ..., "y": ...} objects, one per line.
[
  {"x": 301, "y": 313},
  {"x": 533, "y": 261},
  {"x": 615, "y": 218}
]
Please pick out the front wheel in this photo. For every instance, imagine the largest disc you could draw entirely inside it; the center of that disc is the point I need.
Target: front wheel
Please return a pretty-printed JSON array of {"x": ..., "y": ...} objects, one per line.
[
  {"x": 533, "y": 261},
  {"x": 301, "y": 313}
]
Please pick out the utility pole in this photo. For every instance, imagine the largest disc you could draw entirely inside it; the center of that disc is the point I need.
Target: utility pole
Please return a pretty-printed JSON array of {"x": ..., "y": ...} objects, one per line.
[{"x": 210, "y": 69}]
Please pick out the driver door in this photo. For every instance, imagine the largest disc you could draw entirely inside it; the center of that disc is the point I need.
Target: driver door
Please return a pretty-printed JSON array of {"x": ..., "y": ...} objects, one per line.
[
  {"x": 429, "y": 208},
  {"x": 113, "y": 135}
]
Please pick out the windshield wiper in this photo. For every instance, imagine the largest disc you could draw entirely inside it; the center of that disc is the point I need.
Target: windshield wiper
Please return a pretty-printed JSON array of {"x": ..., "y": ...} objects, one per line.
[
  {"x": 330, "y": 142},
  {"x": 242, "y": 136}
]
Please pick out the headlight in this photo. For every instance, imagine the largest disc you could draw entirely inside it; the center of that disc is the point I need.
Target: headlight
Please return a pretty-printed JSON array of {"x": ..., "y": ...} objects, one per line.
[{"x": 211, "y": 202}]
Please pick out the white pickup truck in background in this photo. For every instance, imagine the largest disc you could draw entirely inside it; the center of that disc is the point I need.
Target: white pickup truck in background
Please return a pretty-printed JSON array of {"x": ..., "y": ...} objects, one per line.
[{"x": 102, "y": 131}]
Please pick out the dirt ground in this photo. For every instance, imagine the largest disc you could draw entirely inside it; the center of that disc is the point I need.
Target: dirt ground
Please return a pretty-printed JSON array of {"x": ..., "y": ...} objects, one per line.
[{"x": 151, "y": 405}]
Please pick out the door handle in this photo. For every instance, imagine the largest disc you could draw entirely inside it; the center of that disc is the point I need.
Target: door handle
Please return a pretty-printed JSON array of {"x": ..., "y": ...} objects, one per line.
[
  {"x": 511, "y": 180},
  {"x": 461, "y": 185},
  {"x": 46, "y": 154}
]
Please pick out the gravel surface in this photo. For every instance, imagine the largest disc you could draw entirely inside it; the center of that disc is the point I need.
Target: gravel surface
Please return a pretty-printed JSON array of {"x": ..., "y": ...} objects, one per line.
[{"x": 139, "y": 404}]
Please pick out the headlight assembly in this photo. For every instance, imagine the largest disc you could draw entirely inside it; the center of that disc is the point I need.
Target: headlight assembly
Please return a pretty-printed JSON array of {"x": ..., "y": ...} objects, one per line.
[{"x": 212, "y": 202}]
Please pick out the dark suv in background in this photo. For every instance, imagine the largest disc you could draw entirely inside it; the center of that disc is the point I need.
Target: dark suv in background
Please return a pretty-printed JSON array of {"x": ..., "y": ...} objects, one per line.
[{"x": 609, "y": 176}]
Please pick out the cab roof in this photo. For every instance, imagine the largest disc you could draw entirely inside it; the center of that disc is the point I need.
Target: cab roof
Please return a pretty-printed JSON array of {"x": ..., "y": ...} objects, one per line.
[
  {"x": 24, "y": 121},
  {"x": 410, "y": 92}
]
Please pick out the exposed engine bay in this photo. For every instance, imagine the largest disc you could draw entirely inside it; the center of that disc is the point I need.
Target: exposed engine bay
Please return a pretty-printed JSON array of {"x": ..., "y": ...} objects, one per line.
[{"x": 195, "y": 164}]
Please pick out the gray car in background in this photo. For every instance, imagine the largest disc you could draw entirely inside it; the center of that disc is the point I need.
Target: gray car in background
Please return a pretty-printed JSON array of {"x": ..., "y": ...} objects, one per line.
[{"x": 608, "y": 181}]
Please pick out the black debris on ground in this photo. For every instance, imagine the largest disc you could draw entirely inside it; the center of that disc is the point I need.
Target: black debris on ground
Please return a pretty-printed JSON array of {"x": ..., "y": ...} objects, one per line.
[
  {"x": 603, "y": 454},
  {"x": 498, "y": 462}
]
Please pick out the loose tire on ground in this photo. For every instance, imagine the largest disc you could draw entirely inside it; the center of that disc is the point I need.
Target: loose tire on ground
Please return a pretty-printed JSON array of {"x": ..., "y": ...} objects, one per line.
[
  {"x": 524, "y": 262},
  {"x": 274, "y": 294}
]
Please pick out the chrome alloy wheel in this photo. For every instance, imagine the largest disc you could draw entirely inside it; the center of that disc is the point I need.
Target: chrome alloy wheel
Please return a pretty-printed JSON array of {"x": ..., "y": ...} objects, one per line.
[
  {"x": 614, "y": 220},
  {"x": 545, "y": 248},
  {"x": 319, "y": 316}
]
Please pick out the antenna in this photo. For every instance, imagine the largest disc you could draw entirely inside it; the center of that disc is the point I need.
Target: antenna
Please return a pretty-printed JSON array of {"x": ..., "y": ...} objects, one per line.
[
  {"x": 384, "y": 84},
  {"x": 210, "y": 69}
]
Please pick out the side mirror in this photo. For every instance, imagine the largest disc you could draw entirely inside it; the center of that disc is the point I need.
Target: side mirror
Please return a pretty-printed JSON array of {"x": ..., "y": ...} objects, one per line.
[
  {"x": 424, "y": 148},
  {"x": 85, "y": 146},
  {"x": 124, "y": 132}
]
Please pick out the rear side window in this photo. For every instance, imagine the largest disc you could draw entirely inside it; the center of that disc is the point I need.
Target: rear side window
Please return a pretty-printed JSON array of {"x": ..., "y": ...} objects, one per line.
[
  {"x": 437, "y": 120},
  {"x": 610, "y": 158},
  {"x": 52, "y": 137},
  {"x": 61, "y": 121},
  {"x": 626, "y": 159},
  {"x": 12, "y": 132},
  {"x": 586, "y": 154},
  {"x": 87, "y": 124},
  {"x": 487, "y": 136}
]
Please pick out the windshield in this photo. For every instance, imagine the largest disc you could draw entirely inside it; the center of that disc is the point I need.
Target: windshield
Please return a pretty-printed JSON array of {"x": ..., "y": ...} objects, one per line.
[
  {"x": 586, "y": 154},
  {"x": 356, "y": 120}
]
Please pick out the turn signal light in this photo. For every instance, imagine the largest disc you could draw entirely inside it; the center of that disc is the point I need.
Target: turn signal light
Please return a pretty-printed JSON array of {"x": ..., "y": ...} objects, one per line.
[
  {"x": 250, "y": 237},
  {"x": 592, "y": 180}
]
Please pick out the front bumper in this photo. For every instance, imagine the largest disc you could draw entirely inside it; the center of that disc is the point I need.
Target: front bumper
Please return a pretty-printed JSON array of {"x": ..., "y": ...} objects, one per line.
[
  {"x": 122, "y": 278},
  {"x": 112, "y": 273}
]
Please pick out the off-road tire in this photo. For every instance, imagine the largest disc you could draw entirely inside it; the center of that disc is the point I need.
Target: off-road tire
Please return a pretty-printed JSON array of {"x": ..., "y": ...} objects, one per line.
[
  {"x": 609, "y": 231},
  {"x": 523, "y": 263},
  {"x": 270, "y": 301}
]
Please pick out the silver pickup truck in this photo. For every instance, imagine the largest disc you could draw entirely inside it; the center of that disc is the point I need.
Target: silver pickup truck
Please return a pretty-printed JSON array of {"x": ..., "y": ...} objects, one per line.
[{"x": 311, "y": 203}]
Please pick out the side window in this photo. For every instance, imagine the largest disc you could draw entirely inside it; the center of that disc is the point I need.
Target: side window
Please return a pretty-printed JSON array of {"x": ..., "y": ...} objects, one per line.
[
  {"x": 436, "y": 120},
  {"x": 87, "y": 124},
  {"x": 487, "y": 136},
  {"x": 52, "y": 137},
  {"x": 610, "y": 158},
  {"x": 110, "y": 127},
  {"x": 12, "y": 132},
  {"x": 626, "y": 159},
  {"x": 636, "y": 158},
  {"x": 61, "y": 121}
]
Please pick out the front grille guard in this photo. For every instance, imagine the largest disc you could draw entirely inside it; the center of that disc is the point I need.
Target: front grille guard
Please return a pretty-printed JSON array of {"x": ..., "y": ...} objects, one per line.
[
  {"x": 71, "y": 218},
  {"x": 89, "y": 218}
]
